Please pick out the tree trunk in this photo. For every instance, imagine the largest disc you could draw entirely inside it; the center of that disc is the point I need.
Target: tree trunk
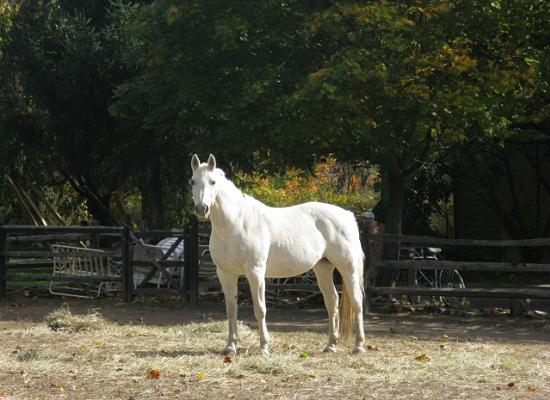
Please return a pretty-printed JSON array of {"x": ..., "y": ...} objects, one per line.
[
  {"x": 393, "y": 217},
  {"x": 98, "y": 208},
  {"x": 145, "y": 203}
]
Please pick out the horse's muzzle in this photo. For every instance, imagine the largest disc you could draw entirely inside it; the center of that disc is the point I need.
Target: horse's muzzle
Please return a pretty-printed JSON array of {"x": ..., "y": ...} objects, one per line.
[{"x": 202, "y": 210}]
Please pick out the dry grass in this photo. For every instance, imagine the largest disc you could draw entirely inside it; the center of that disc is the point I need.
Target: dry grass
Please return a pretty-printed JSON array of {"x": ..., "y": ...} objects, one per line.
[
  {"x": 88, "y": 357},
  {"x": 64, "y": 320}
]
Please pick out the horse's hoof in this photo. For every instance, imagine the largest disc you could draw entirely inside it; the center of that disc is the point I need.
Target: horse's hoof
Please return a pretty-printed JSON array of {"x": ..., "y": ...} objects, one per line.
[
  {"x": 228, "y": 351},
  {"x": 330, "y": 349},
  {"x": 358, "y": 349},
  {"x": 264, "y": 352}
]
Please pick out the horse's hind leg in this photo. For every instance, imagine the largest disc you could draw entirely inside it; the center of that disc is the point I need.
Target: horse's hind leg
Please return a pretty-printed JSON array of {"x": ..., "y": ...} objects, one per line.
[
  {"x": 229, "y": 283},
  {"x": 323, "y": 270},
  {"x": 256, "y": 279},
  {"x": 353, "y": 281}
]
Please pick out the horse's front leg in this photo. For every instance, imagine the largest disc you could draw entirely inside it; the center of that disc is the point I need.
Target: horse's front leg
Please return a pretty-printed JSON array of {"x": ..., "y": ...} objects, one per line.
[
  {"x": 229, "y": 282},
  {"x": 256, "y": 279}
]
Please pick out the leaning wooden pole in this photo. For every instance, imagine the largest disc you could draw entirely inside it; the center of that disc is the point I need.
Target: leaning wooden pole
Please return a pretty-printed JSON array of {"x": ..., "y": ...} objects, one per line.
[
  {"x": 49, "y": 206},
  {"x": 34, "y": 207},
  {"x": 22, "y": 200}
]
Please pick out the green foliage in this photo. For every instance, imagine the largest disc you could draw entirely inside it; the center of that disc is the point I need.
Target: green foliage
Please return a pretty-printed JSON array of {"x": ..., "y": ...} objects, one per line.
[
  {"x": 330, "y": 182},
  {"x": 407, "y": 79},
  {"x": 210, "y": 74},
  {"x": 116, "y": 95},
  {"x": 58, "y": 72}
]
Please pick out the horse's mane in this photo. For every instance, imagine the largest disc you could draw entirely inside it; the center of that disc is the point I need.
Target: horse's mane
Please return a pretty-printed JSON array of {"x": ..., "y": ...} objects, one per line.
[{"x": 235, "y": 190}]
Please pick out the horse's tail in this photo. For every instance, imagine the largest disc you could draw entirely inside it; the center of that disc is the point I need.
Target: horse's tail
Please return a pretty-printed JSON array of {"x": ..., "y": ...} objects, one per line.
[
  {"x": 347, "y": 316},
  {"x": 347, "y": 312}
]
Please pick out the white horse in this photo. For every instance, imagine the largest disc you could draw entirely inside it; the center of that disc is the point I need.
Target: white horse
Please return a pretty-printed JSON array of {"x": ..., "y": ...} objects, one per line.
[{"x": 251, "y": 239}]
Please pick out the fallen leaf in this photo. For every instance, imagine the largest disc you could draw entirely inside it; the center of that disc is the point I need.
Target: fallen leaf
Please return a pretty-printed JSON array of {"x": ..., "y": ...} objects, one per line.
[
  {"x": 153, "y": 374},
  {"x": 422, "y": 357},
  {"x": 373, "y": 348},
  {"x": 304, "y": 354},
  {"x": 443, "y": 346},
  {"x": 240, "y": 376},
  {"x": 511, "y": 385},
  {"x": 530, "y": 388},
  {"x": 200, "y": 376},
  {"x": 227, "y": 360}
]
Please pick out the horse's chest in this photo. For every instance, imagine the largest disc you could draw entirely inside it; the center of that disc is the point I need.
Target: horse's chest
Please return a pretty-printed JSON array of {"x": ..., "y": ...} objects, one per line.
[{"x": 233, "y": 255}]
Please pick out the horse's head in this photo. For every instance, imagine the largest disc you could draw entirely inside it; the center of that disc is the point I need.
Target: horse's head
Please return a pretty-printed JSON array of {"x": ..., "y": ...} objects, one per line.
[{"x": 203, "y": 184}]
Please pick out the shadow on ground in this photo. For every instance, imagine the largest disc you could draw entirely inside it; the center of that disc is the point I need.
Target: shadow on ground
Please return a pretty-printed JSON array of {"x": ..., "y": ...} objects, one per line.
[{"x": 422, "y": 326}]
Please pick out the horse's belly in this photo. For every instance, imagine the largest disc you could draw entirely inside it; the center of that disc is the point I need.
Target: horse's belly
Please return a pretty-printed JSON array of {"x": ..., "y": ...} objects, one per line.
[
  {"x": 283, "y": 263},
  {"x": 286, "y": 270}
]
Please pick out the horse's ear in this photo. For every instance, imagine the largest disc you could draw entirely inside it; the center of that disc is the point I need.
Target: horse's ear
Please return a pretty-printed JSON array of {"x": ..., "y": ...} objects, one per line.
[
  {"x": 211, "y": 163},
  {"x": 195, "y": 162}
]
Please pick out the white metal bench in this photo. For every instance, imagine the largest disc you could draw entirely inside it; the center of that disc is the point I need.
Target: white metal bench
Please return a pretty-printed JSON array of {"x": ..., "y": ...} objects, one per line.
[{"x": 69, "y": 261}]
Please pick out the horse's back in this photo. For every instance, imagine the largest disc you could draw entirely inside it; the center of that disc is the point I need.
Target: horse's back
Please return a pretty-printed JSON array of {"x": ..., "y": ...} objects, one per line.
[
  {"x": 332, "y": 221},
  {"x": 306, "y": 233}
]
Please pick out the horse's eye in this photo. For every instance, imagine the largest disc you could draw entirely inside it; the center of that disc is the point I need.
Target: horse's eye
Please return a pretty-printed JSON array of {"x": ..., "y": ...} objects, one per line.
[
  {"x": 212, "y": 182},
  {"x": 192, "y": 182}
]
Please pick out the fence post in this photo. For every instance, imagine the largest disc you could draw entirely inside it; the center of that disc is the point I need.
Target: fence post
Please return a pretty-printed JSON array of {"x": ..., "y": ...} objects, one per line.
[
  {"x": 373, "y": 252},
  {"x": 193, "y": 261},
  {"x": 127, "y": 267},
  {"x": 186, "y": 258},
  {"x": 3, "y": 269}
]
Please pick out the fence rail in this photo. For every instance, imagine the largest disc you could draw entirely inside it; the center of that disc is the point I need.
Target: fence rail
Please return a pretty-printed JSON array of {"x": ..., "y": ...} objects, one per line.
[
  {"x": 457, "y": 242},
  {"x": 509, "y": 293},
  {"x": 460, "y": 265}
]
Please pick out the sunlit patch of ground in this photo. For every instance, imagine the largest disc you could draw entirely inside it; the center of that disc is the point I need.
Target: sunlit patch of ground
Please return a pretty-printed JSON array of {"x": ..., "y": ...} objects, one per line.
[{"x": 96, "y": 355}]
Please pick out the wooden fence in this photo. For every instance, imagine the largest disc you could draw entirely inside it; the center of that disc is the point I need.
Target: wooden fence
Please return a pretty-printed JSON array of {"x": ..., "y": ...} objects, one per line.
[
  {"x": 24, "y": 249},
  {"x": 372, "y": 245}
]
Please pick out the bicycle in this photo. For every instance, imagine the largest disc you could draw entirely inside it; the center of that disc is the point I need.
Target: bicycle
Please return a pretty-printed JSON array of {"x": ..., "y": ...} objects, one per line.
[{"x": 450, "y": 278}]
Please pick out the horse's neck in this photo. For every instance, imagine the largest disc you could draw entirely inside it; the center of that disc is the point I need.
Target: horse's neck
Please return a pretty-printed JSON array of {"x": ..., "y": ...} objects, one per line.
[{"x": 229, "y": 209}]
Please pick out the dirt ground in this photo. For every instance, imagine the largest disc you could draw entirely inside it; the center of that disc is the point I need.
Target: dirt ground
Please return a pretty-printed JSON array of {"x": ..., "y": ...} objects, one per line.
[
  {"x": 411, "y": 355},
  {"x": 284, "y": 318}
]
